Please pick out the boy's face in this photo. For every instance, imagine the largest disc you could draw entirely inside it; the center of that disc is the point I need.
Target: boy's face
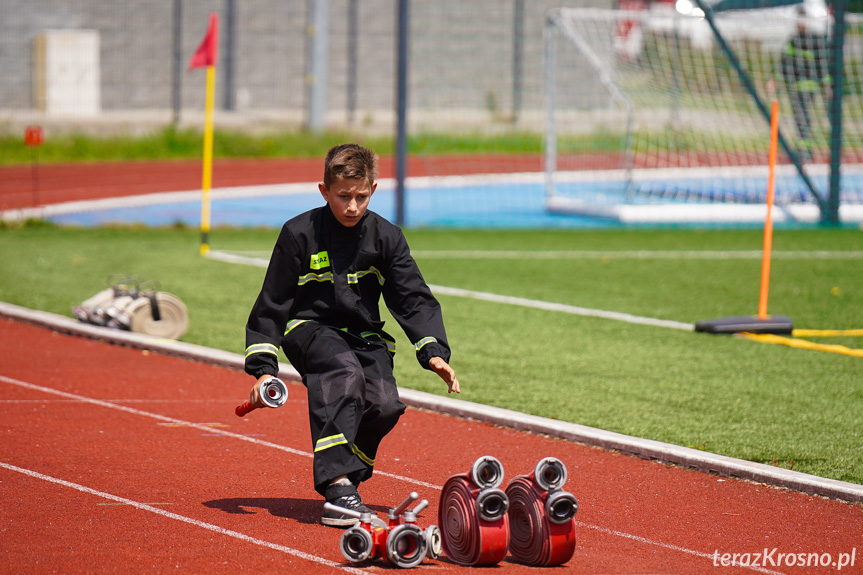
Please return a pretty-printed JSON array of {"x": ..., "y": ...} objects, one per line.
[{"x": 348, "y": 199}]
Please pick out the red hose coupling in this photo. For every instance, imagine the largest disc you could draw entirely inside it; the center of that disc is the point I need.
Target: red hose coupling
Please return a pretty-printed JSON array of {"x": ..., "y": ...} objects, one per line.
[{"x": 401, "y": 543}]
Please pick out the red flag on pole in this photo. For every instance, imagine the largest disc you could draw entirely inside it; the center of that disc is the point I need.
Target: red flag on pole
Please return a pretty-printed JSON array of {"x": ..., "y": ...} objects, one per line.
[{"x": 205, "y": 55}]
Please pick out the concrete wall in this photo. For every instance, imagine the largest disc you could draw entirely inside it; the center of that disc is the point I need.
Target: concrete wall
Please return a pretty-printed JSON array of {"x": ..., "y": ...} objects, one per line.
[{"x": 461, "y": 59}]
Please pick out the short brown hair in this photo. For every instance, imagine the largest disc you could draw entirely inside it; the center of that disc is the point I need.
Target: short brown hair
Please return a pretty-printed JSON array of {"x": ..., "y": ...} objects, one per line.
[{"x": 350, "y": 161}]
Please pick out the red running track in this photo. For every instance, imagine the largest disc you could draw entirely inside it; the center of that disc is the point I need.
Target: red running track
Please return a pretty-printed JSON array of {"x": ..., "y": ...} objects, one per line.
[
  {"x": 24, "y": 187},
  {"x": 117, "y": 460}
]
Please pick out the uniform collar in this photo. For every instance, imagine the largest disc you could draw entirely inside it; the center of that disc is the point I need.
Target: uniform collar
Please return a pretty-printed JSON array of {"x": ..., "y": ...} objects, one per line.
[{"x": 337, "y": 227}]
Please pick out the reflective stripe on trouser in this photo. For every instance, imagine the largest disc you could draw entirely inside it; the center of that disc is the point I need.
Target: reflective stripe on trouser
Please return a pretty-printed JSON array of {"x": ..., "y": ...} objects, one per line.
[{"x": 353, "y": 399}]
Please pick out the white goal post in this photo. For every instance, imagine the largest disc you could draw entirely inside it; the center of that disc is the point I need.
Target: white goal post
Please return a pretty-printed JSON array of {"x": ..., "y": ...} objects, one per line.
[{"x": 662, "y": 127}]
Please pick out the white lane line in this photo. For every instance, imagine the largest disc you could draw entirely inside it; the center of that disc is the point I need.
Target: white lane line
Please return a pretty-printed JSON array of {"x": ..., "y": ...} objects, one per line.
[
  {"x": 181, "y": 423},
  {"x": 121, "y": 400},
  {"x": 215, "y": 431},
  {"x": 711, "y": 556},
  {"x": 182, "y": 518}
]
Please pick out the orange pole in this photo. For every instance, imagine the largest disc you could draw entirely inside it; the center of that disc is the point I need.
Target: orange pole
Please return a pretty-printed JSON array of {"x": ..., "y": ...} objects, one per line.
[{"x": 768, "y": 221}]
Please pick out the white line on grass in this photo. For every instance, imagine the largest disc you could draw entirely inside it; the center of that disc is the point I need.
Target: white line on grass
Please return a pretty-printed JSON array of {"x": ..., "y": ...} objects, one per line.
[
  {"x": 261, "y": 257},
  {"x": 183, "y": 518},
  {"x": 216, "y": 431},
  {"x": 495, "y": 298},
  {"x": 637, "y": 254},
  {"x": 560, "y": 307}
]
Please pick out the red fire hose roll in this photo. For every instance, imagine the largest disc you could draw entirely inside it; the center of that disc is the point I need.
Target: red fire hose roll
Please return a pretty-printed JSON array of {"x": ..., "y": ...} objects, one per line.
[
  {"x": 541, "y": 516},
  {"x": 472, "y": 515}
]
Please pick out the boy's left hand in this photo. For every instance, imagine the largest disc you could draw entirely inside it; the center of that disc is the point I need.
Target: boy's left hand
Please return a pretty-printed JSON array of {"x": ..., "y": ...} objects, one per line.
[{"x": 446, "y": 373}]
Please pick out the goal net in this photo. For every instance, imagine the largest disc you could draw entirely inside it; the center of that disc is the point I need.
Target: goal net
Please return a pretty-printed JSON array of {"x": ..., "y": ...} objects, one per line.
[{"x": 661, "y": 127}]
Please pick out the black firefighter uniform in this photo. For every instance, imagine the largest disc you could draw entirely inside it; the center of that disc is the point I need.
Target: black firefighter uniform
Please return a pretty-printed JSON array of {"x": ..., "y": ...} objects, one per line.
[{"x": 320, "y": 303}]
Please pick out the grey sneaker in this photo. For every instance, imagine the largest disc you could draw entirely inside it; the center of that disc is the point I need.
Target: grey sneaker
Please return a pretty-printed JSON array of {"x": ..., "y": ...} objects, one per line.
[{"x": 347, "y": 497}]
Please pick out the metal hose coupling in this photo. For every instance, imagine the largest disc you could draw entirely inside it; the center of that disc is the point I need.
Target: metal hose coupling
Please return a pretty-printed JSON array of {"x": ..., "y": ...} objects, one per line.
[
  {"x": 406, "y": 545},
  {"x": 364, "y": 541},
  {"x": 542, "y": 516},
  {"x": 356, "y": 544},
  {"x": 273, "y": 392},
  {"x": 472, "y": 515},
  {"x": 401, "y": 542}
]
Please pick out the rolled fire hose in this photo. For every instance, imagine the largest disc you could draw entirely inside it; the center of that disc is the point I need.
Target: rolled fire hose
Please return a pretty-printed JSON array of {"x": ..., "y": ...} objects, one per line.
[
  {"x": 159, "y": 315},
  {"x": 472, "y": 517},
  {"x": 151, "y": 312},
  {"x": 541, "y": 516}
]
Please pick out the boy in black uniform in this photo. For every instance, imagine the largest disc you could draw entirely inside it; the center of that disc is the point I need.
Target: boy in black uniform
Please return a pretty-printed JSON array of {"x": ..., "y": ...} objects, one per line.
[{"x": 319, "y": 302}]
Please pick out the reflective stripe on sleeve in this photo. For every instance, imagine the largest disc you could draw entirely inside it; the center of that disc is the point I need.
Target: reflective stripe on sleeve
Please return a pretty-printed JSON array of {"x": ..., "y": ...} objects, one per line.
[
  {"x": 261, "y": 348},
  {"x": 424, "y": 341}
]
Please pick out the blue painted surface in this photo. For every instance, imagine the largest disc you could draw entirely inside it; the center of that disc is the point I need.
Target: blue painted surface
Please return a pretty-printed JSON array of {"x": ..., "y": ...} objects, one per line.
[{"x": 487, "y": 205}]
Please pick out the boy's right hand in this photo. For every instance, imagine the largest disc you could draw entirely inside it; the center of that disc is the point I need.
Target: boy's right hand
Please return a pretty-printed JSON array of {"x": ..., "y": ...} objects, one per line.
[{"x": 255, "y": 394}]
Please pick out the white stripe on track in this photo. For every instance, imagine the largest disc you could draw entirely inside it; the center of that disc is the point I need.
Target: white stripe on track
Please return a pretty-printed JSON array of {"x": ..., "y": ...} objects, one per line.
[
  {"x": 216, "y": 431},
  {"x": 201, "y": 426},
  {"x": 183, "y": 518},
  {"x": 710, "y": 556}
]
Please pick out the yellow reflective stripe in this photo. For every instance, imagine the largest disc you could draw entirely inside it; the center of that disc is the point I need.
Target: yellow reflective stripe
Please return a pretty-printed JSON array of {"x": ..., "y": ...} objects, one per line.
[
  {"x": 331, "y": 441},
  {"x": 294, "y": 323},
  {"x": 424, "y": 341},
  {"x": 391, "y": 345},
  {"x": 354, "y": 278},
  {"x": 362, "y": 456},
  {"x": 324, "y": 277},
  {"x": 261, "y": 348}
]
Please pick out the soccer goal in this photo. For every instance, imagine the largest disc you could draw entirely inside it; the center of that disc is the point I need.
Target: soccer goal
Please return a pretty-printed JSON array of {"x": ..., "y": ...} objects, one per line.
[{"x": 662, "y": 125}]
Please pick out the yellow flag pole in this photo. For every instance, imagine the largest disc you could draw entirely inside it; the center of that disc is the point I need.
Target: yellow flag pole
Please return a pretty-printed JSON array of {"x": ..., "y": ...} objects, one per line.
[{"x": 207, "y": 177}]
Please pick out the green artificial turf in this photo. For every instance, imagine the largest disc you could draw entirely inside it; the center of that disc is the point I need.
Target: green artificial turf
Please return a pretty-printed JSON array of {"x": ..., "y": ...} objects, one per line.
[{"x": 792, "y": 408}]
